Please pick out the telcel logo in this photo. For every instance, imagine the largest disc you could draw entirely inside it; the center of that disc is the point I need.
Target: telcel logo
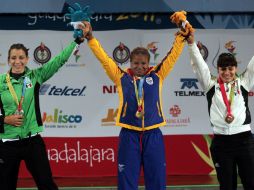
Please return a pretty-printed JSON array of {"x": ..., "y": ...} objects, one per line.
[{"x": 66, "y": 91}]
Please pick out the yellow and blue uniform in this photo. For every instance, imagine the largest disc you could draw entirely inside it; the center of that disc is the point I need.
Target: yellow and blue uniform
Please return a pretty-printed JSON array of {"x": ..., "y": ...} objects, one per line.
[
  {"x": 141, "y": 141},
  {"x": 152, "y": 88}
]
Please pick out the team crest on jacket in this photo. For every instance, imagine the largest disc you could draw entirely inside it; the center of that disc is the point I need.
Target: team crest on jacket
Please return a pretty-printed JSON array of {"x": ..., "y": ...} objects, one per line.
[
  {"x": 42, "y": 54},
  {"x": 121, "y": 53},
  {"x": 28, "y": 83},
  {"x": 149, "y": 80}
]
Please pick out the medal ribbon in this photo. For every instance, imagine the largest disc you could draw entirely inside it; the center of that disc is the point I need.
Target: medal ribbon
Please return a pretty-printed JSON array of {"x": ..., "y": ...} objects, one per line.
[
  {"x": 224, "y": 96},
  {"x": 13, "y": 93},
  {"x": 139, "y": 91}
]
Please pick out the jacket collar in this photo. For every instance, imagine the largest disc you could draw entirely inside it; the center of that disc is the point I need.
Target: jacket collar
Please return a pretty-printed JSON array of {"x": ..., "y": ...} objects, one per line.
[{"x": 130, "y": 72}]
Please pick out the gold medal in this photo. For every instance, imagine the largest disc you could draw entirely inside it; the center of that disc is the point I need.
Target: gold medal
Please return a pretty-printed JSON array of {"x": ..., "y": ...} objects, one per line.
[
  {"x": 139, "y": 114},
  {"x": 139, "y": 96},
  {"x": 229, "y": 118}
]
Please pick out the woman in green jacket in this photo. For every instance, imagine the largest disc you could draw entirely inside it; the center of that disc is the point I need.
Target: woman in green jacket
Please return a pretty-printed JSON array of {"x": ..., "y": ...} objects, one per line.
[{"x": 20, "y": 120}]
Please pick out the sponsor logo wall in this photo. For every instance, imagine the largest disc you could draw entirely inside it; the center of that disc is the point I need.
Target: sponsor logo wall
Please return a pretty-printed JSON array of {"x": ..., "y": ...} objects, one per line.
[{"x": 79, "y": 104}]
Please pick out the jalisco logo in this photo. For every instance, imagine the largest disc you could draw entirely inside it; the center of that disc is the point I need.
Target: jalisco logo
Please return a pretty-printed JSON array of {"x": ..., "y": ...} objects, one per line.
[
  {"x": 189, "y": 83},
  {"x": 109, "y": 120},
  {"x": 42, "y": 54},
  {"x": 109, "y": 89},
  {"x": 77, "y": 153},
  {"x": 59, "y": 117},
  {"x": 121, "y": 54},
  {"x": 177, "y": 121},
  {"x": 60, "y": 120},
  {"x": 65, "y": 91}
]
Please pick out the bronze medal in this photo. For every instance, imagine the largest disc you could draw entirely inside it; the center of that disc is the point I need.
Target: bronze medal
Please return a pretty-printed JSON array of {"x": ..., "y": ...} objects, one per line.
[{"x": 229, "y": 118}]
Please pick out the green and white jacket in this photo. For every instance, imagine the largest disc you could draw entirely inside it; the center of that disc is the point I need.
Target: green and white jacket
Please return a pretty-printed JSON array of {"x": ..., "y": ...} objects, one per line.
[{"x": 32, "y": 117}]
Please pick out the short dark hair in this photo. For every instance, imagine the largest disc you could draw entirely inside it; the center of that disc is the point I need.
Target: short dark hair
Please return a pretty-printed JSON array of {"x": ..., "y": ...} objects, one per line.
[
  {"x": 140, "y": 51},
  {"x": 18, "y": 46},
  {"x": 226, "y": 60}
]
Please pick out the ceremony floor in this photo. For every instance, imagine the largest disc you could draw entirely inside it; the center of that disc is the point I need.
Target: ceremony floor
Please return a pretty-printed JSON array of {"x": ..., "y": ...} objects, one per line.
[{"x": 190, "y": 182}]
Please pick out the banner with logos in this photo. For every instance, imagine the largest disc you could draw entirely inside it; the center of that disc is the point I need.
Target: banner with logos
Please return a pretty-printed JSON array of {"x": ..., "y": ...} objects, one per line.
[
  {"x": 79, "y": 103},
  {"x": 120, "y": 21}
]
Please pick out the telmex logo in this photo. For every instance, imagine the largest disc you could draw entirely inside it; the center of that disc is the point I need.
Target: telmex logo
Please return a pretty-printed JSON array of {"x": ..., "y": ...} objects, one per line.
[
  {"x": 189, "y": 83},
  {"x": 109, "y": 120},
  {"x": 109, "y": 89},
  {"x": 47, "y": 89}
]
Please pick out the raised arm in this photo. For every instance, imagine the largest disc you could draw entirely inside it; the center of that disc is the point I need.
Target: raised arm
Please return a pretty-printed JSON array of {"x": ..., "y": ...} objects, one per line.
[
  {"x": 248, "y": 75},
  {"x": 170, "y": 59},
  {"x": 50, "y": 68},
  {"x": 111, "y": 68},
  {"x": 167, "y": 64},
  {"x": 199, "y": 66}
]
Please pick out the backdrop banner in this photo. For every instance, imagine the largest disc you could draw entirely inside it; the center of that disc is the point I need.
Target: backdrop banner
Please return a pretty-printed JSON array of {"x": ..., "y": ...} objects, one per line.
[{"x": 79, "y": 103}]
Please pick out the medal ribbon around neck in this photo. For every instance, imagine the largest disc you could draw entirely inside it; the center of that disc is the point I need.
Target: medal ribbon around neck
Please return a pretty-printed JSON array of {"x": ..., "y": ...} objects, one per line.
[
  {"x": 139, "y": 92},
  {"x": 13, "y": 93},
  {"x": 227, "y": 102}
]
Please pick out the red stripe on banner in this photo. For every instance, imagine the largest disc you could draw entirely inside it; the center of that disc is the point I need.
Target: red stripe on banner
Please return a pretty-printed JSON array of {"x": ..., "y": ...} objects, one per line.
[{"x": 97, "y": 156}]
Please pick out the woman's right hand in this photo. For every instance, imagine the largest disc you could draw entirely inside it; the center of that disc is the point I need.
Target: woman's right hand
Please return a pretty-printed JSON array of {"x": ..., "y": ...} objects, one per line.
[
  {"x": 190, "y": 40},
  {"x": 14, "y": 120},
  {"x": 87, "y": 30}
]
